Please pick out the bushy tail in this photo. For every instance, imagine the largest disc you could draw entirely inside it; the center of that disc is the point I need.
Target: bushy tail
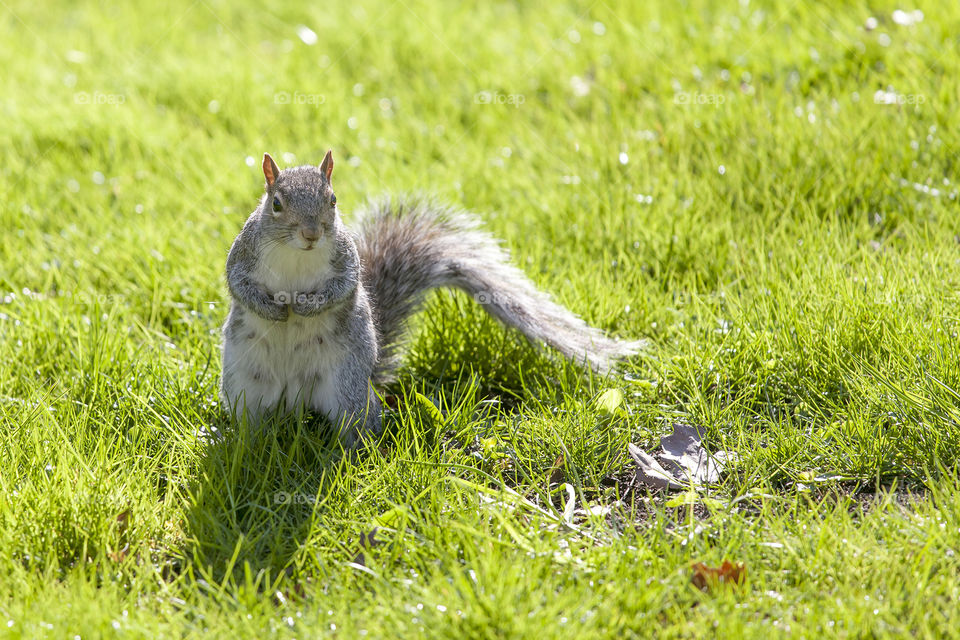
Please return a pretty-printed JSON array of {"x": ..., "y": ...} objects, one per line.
[{"x": 408, "y": 248}]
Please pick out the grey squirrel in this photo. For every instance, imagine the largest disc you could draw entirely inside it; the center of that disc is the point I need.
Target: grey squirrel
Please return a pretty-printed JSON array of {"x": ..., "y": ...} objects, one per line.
[{"x": 317, "y": 311}]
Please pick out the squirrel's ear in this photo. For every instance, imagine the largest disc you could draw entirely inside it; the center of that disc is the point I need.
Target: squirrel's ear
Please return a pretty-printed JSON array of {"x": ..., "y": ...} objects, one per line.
[
  {"x": 270, "y": 170},
  {"x": 326, "y": 167}
]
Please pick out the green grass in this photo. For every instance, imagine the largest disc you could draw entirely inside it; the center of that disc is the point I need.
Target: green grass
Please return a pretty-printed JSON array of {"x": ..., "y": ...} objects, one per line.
[{"x": 715, "y": 176}]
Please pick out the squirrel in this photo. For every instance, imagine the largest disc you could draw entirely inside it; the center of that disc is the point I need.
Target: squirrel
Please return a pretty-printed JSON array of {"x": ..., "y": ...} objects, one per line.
[{"x": 318, "y": 312}]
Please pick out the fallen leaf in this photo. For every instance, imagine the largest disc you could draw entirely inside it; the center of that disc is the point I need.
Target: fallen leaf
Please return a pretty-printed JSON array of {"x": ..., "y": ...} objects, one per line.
[
  {"x": 391, "y": 518},
  {"x": 686, "y": 498},
  {"x": 711, "y": 503},
  {"x": 596, "y": 511},
  {"x": 684, "y": 450},
  {"x": 649, "y": 471},
  {"x": 706, "y": 578},
  {"x": 429, "y": 408},
  {"x": 688, "y": 463},
  {"x": 610, "y": 403},
  {"x": 691, "y": 497}
]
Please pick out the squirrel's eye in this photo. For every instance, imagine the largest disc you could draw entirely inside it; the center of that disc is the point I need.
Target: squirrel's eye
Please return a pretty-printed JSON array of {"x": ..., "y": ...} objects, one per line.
[
  {"x": 333, "y": 199},
  {"x": 276, "y": 204}
]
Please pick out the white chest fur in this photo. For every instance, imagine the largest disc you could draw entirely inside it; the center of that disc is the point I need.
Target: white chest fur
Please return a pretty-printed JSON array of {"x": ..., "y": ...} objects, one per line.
[
  {"x": 284, "y": 269},
  {"x": 290, "y": 361}
]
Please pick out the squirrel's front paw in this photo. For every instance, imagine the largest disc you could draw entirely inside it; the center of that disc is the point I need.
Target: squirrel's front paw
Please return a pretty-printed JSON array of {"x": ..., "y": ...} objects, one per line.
[
  {"x": 308, "y": 304},
  {"x": 278, "y": 312}
]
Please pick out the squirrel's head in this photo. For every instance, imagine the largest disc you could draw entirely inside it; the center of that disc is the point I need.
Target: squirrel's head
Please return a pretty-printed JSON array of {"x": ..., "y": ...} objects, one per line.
[{"x": 299, "y": 205}]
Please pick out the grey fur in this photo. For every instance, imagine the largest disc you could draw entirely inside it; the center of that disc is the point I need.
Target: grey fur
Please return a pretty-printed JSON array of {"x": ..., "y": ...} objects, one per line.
[
  {"x": 410, "y": 247},
  {"x": 240, "y": 262},
  {"x": 328, "y": 309},
  {"x": 316, "y": 343}
]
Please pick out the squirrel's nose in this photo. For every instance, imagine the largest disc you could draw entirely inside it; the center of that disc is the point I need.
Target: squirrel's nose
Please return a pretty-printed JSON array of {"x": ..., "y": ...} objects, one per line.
[{"x": 310, "y": 235}]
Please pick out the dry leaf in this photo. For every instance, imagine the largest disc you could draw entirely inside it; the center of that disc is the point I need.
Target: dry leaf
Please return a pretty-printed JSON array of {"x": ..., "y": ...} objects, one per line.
[
  {"x": 684, "y": 450},
  {"x": 689, "y": 465},
  {"x": 706, "y": 578},
  {"x": 649, "y": 471}
]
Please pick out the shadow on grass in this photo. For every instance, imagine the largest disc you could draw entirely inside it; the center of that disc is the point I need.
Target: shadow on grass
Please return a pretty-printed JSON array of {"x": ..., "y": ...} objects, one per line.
[
  {"x": 258, "y": 496},
  {"x": 268, "y": 501}
]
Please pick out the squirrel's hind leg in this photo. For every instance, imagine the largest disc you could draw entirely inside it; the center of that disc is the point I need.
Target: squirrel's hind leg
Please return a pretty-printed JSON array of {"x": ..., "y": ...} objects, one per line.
[
  {"x": 255, "y": 402},
  {"x": 351, "y": 404},
  {"x": 247, "y": 389},
  {"x": 364, "y": 420}
]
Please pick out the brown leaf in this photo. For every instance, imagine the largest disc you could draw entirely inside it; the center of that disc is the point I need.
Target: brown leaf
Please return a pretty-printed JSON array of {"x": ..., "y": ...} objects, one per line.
[{"x": 706, "y": 578}]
